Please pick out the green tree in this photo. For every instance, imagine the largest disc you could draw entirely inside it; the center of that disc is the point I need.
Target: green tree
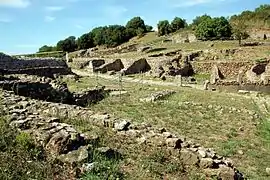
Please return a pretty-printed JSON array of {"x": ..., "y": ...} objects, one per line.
[
  {"x": 46, "y": 48},
  {"x": 163, "y": 28},
  {"x": 99, "y": 35},
  {"x": 177, "y": 24},
  {"x": 85, "y": 41},
  {"x": 115, "y": 35},
  {"x": 67, "y": 45},
  {"x": 200, "y": 19},
  {"x": 136, "y": 26},
  {"x": 149, "y": 28},
  {"x": 213, "y": 29},
  {"x": 222, "y": 29}
]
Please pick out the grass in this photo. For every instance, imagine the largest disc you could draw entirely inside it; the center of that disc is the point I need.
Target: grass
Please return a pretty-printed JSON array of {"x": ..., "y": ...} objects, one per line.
[
  {"x": 21, "y": 159},
  {"x": 217, "y": 120}
]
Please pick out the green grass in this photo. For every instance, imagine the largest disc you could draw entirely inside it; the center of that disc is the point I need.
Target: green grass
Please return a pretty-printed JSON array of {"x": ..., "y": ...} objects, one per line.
[{"x": 218, "y": 120}]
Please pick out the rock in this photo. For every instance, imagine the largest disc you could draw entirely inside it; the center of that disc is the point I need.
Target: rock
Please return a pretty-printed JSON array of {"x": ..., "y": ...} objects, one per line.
[
  {"x": 88, "y": 167},
  {"x": 76, "y": 156},
  {"x": 143, "y": 48},
  {"x": 240, "y": 152},
  {"x": 267, "y": 170},
  {"x": 188, "y": 157},
  {"x": 157, "y": 96},
  {"x": 206, "y": 163},
  {"x": 215, "y": 75},
  {"x": 202, "y": 153},
  {"x": 118, "y": 93},
  {"x": 108, "y": 153},
  {"x": 116, "y": 65},
  {"x": 226, "y": 173},
  {"x": 174, "y": 142},
  {"x": 122, "y": 126},
  {"x": 139, "y": 66}
]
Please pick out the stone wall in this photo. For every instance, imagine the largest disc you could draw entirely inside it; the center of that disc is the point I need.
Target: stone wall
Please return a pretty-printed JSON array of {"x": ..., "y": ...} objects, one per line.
[
  {"x": 42, "y": 67},
  {"x": 229, "y": 70}
]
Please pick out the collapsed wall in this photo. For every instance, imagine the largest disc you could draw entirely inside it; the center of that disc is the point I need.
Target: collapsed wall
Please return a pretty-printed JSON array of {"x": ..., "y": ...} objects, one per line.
[
  {"x": 41, "y": 67},
  {"x": 53, "y": 92}
]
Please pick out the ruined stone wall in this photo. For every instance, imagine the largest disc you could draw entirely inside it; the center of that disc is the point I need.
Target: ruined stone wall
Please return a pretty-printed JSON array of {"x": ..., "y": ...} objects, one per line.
[
  {"x": 42, "y": 67},
  {"x": 227, "y": 69}
]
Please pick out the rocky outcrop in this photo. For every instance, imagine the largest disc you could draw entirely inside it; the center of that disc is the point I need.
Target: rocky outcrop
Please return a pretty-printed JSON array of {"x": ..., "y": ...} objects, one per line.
[
  {"x": 116, "y": 65},
  {"x": 42, "y": 67},
  {"x": 139, "y": 66}
]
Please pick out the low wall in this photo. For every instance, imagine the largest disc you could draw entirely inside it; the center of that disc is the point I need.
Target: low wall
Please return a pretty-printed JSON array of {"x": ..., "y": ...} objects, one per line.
[
  {"x": 228, "y": 69},
  {"x": 42, "y": 67}
]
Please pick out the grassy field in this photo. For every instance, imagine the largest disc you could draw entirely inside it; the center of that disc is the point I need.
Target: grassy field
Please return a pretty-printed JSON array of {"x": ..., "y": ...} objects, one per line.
[{"x": 231, "y": 124}]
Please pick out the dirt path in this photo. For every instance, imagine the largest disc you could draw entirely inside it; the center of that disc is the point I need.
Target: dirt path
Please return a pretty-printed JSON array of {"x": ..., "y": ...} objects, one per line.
[{"x": 135, "y": 80}]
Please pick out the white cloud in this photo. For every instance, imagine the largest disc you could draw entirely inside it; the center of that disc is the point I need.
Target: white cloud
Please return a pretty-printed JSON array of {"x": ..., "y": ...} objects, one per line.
[
  {"x": 189, "y": 3},
  {"x": 15, "y": 3},
  {"x": 54, "y": 8},
  {"x": 49, "y": 18}
]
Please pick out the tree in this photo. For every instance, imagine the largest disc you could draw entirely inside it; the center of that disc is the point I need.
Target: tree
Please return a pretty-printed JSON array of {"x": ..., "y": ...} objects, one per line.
[
  {"x": 67, "y": 45},
  {"x": 200, "y": 19},
  {"x": 46, "y": 48},
  {"x": 85, "y": 41},
  {"x": 213, "y": 29},
  {"x": 177, "y": 24},
  {"x": 149, "y": 28},
  {"x": 222, "y": 29},
  {"x": 163, "y": 28},
  {"x": 115, "y": 35},
  {"x": 99, "y": 35},
  {"x": 240, "y": 30},
  {"x": 136, "y": 26}
]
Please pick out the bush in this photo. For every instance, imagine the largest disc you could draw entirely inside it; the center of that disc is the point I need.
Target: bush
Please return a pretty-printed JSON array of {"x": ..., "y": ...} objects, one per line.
[
  {"x": 214, "y": 29},
  {"x": 177, "y": 24},
  {"x": 164, "y": 28}
]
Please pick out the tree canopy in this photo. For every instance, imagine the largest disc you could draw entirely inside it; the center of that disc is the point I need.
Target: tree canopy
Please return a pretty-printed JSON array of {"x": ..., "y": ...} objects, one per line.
[
  {"x": 177, "y": 24},
  {"x": 164, "y": 27},
  {"x": 67, "y": 45}
]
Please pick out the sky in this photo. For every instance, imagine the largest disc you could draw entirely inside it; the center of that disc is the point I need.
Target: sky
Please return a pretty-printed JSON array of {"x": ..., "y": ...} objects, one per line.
[{"x": 26, "y": 25}]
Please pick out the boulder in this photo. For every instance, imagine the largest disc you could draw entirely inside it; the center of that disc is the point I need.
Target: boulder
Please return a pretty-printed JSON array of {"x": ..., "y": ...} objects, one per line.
[
  {"x": 215, "y": 75},
  {"x": 254, "y": 74},
  {"x": 139, "y": 66},
  {"x": 77, "y": 156},
  {"x": 116, "y": 65}
]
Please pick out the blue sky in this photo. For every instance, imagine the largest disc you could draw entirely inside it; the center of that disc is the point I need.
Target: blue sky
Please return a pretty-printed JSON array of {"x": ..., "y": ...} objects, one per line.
[{"x": 26, "y": 25}]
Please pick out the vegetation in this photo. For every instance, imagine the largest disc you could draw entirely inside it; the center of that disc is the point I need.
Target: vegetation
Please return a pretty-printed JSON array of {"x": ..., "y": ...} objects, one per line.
[
  {"x": 227, "y": 131},
  {"x": 164, "y": 28},
  {"x": 259, "y": 18},
  {"x": 20, "y": 159},
  {"x": 205, "y": 27},
  {"x": 213, "y": 29},
  {"x": 110, "y": 36}
]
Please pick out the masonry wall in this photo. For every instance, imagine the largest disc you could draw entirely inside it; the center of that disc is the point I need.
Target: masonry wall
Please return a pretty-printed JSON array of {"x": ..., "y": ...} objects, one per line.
[{"x": 42, "y": 67}]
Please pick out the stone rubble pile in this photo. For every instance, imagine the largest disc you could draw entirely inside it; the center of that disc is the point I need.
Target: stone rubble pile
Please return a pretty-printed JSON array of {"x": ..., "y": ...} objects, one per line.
[
  {"x": 53, "y": 91},
  {"x": 158, "y": 96}
]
